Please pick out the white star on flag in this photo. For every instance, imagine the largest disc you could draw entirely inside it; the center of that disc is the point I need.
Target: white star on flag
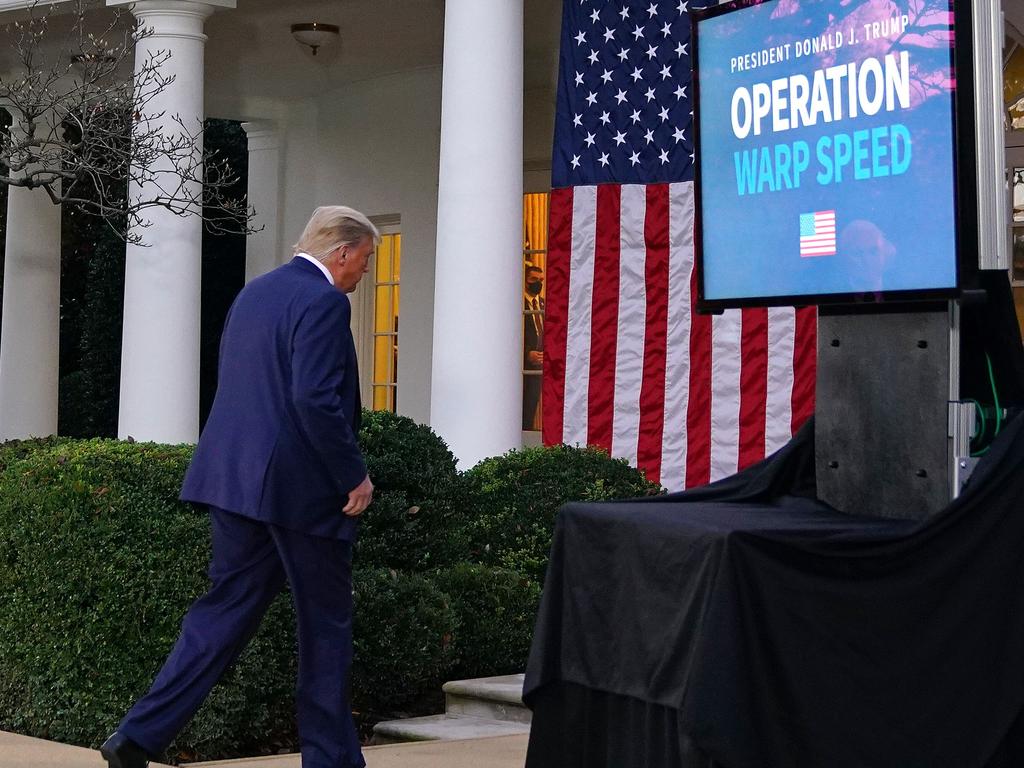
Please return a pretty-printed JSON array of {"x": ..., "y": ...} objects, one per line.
[
  {"x": 653, "y": 10},
  {"x": 652, "y": 52},
  {"x": 581, "y": 38},
  {"x": 620, "y": 138},
  {"x": 620, "y": 96},
  {"x": 634, "y": 158},
  {"x": 638, "y": 32},
  {"x": 663, "y": 156},
  {"x": 603, "y": 160},
  {"x": 637, "y": 74}
]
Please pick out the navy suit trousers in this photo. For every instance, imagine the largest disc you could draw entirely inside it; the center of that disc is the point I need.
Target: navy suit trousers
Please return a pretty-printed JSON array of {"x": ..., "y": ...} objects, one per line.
[{"x": 250, "y": 563}]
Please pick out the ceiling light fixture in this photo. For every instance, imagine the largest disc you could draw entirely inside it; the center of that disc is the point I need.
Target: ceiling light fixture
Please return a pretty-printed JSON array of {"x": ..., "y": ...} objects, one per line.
[{"x": 314, "y": 34}]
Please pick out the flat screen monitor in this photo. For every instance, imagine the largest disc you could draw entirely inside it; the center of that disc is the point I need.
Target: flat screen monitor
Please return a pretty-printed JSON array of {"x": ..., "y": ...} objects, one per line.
[{"x": 826, "y": 144}]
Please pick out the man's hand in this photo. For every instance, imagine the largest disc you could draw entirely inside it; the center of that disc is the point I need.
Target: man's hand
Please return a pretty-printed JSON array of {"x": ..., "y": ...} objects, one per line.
[{"x": 359, "y": 498}]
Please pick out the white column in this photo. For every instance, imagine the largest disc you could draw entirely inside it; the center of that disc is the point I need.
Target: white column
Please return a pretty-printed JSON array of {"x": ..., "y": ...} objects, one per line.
[
  {"x": 30, "y": 340},
  {"x": 476, "y": 383},
  {"x": 160, "y": 351},
  {"x": 262, "y": 250}
]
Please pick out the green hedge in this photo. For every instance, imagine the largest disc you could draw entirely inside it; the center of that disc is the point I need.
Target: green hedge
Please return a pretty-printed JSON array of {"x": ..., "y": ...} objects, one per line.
[
  {"x": 99, "y": 562},
  {"x": 495, "y": 609},
  {"x": 403, "y": 629},
  {"x": 415, "y": 519},
  {"x": 515, "y": 499}
]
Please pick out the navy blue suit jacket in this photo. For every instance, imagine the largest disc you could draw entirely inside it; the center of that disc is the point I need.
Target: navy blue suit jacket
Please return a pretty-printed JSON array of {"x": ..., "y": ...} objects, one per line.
[{"x": 280, "y": 444}]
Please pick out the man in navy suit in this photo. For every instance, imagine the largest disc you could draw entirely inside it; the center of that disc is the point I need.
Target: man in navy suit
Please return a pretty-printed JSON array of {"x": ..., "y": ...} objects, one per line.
[{"x": 279, "y": 467}]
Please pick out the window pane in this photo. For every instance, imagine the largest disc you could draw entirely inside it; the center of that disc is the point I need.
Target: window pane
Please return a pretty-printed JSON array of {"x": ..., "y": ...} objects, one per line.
[
  {"x": 1018, "y": 195},
  {"x": 382, "y": 309},
  {"x": 381, "y": 399},
  {"x": 385, "y": 322},
  {"x": 1018, "y": 254},
  {"x": 384, "y": 260},
  {"x": 535, "y": 235},
  {"x": 382, "y": 351}
]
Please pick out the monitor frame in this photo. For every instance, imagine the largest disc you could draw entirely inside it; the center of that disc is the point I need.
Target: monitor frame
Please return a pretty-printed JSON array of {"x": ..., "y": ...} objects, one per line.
[{"x": 965, "y": 175}]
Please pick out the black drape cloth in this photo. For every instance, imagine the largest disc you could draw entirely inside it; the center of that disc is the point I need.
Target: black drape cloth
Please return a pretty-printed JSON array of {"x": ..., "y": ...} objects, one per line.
[{"x": 748, "y": 625}]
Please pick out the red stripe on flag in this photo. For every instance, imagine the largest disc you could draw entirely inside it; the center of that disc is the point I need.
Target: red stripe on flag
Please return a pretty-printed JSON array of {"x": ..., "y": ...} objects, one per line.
[
  {"x": 604, "y": 318},
  {"x": 805, "y": 354},
  {"x": 753, "y": 386},
  {"x": 556, "y": 313},
  {"x": 698, "y": 412},
  {"x": 652, "y": 391}
]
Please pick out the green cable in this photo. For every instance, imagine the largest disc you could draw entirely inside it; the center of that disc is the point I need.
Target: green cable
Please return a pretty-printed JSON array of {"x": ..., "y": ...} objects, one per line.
[
  {"x": 995, "y": 396},
  {"x": 984, "y": 426}
]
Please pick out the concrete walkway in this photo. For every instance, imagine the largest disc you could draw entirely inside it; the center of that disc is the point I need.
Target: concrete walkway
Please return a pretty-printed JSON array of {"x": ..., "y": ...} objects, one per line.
[{"x": 500, "y": 752}]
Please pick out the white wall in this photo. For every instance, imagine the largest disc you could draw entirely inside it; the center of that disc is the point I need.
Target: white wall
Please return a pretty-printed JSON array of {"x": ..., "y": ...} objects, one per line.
[{"x": 374, "y": 145}]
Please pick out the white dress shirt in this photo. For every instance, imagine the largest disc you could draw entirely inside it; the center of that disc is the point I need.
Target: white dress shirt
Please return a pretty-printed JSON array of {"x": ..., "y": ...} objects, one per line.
[{"x": 320, "y": 266}]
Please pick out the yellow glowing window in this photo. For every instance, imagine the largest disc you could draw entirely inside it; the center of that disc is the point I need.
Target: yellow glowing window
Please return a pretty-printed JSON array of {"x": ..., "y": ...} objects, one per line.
[
  {"x": 385, "y": 322},
  {"x": 535, "y": 261}
]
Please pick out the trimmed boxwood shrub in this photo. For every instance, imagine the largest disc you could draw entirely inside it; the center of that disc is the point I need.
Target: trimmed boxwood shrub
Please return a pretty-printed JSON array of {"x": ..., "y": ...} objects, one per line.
[
  {"x": 98, "y": 564},
  {"x": 15, "y": 450},
  {"x": 414, "y": 520},
  {"x": 496, "y": 609},
  {"x": 403, "y": 630},
  {"x": 516, "y": 497}
]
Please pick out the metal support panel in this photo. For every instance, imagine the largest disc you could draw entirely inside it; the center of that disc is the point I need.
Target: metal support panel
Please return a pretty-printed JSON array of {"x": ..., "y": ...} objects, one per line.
[
  {"x": 993, "y": 186},
  {"x": 882, "y": 417}
]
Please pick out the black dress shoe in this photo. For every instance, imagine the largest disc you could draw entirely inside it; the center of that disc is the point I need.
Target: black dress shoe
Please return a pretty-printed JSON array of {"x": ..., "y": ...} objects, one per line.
[{"x": 121, "y": 752}]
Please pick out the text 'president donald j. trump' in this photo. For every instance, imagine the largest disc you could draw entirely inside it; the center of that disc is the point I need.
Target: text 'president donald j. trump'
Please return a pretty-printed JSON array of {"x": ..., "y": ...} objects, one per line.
[{"x": 279, "y": 467}]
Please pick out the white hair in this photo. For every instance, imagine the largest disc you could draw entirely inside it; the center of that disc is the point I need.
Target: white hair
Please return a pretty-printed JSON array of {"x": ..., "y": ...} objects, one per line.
[{"x": 332, "y": 226}]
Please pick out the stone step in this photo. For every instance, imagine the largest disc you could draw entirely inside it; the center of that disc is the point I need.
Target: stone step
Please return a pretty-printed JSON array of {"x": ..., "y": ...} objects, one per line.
[
  {"x": 444, "y": 728},
  {"x": 492, "y": 698}
]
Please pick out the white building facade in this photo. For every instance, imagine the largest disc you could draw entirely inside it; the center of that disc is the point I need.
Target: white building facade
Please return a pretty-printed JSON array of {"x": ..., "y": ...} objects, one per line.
[{"x": 430, "y": 117}]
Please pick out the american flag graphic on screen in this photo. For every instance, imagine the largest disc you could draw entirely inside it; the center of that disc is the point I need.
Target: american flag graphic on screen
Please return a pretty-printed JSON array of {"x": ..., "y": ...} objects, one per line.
[
  {"x": 818, "y": 233},
  {"x": 629, "y": 364}
]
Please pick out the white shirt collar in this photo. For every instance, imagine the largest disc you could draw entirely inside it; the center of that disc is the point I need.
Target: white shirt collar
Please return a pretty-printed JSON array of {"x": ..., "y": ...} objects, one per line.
[{"x": 319, "y": 265}]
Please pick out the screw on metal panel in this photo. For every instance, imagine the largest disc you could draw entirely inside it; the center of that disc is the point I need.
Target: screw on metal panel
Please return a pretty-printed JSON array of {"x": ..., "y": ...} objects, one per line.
[
  {"x": 922, "y": 473},
  {"x": 963, "y": 463},
  {"x": 922, "y": 344},
  {"x": 835, "y": 342}
]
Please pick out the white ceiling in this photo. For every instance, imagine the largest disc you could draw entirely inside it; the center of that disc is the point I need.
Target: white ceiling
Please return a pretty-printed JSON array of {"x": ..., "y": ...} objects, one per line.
[{"x": 251, "y": 54}]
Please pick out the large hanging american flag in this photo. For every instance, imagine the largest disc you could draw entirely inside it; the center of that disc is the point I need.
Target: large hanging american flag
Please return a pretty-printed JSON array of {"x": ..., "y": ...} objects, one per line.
[{"x": 629, "y": 364}]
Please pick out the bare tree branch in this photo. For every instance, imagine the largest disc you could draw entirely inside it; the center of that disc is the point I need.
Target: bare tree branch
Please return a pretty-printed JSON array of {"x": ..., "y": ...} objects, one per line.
[{"x": 87, "y": 133}]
